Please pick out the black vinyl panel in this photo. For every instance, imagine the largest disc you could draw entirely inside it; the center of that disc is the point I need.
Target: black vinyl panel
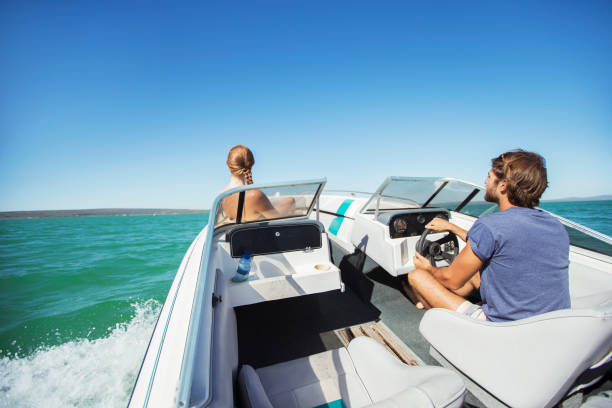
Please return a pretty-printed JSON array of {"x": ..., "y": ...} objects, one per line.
[
  {"x": 413, "y": 224},
  {"x": 272, "y": 239}
]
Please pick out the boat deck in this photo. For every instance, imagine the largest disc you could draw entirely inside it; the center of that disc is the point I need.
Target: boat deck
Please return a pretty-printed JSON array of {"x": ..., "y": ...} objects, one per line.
[
  {"x": 379, "y": 332},
  {"x": 286, "y": 329},
  {"x": 281, "y": 330}
]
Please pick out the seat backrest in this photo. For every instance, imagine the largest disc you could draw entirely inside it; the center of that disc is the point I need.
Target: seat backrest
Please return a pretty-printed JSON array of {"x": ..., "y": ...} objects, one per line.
[
  {"x": 531, "y": 362},
  {"x": 224, "y": 351}
]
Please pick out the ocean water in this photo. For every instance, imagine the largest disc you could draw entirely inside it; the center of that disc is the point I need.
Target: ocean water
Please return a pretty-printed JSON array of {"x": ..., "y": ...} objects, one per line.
[
  {"x": 80, "y": 297},
  {"x": 596, "y": 215}
]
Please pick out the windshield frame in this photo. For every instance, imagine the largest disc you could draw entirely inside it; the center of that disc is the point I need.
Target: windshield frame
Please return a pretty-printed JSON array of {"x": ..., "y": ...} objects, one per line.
[
  {"x": 217, "y": 201},
  {"x": 378, "y": 194}
]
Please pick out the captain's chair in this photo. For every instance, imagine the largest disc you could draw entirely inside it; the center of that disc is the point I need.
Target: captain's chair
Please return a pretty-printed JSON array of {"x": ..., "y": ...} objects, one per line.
[{"x": 532, "y": 362}]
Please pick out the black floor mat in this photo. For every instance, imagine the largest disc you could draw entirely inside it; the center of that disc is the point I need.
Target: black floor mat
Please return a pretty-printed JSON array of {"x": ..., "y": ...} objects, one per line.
[{"x": 272, "y": 332}]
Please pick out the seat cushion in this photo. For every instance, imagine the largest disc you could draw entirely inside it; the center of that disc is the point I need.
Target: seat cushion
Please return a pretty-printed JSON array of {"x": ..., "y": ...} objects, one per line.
[
  {"x": 517, "y": 370},
  {"x": 363, "y": 375},
  {"x": 252, "y": 393},
  {"x": 314, "y": 380},
  {"x": 387, "y": 378}
]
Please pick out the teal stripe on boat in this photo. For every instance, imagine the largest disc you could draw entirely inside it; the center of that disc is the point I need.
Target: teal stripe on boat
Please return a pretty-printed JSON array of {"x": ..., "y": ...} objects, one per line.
[
  {"x": 344, "y": 206},
  {"x": 334, "y": 404},
  {"x": 334, "y": 226}
]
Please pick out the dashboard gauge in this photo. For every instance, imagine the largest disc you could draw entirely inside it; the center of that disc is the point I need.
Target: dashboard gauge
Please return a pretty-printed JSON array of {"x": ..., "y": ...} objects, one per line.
[
  {"x": 400, "y": 225},
  {"x": 410, "y": 223}
]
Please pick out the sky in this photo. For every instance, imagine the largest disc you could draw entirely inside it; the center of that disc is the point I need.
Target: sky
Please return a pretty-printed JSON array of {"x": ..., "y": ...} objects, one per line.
[{"x": 133, "y": 104}]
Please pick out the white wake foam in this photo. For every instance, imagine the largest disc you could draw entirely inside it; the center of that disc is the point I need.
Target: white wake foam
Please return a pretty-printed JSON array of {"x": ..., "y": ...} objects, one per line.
[{"x": 83, "y": 373}]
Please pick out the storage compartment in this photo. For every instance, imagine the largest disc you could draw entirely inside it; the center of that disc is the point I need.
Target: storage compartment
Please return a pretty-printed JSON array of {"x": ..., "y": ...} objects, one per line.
[
  {"x": 275, "y": 238},
  {"x": 304, "y": 269}
]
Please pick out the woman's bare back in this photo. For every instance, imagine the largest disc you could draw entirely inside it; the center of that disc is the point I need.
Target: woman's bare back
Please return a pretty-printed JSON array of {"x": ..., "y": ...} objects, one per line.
[{"x": 256, "y": 206}]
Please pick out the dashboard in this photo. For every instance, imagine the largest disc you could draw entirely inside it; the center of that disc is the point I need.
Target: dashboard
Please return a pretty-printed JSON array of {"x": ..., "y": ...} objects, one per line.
[{"x": 411, "y": 223}]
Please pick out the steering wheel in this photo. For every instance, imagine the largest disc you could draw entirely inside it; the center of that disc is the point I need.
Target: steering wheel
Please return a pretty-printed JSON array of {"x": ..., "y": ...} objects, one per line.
[{"x": 445, "y": 248}]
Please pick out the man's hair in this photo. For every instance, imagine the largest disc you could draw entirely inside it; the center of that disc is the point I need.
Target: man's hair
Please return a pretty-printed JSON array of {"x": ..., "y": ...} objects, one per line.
[{"x": 525, "y": 176}]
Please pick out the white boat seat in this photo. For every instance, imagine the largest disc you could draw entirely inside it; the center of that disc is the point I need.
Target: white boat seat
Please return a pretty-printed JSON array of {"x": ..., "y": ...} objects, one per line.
[
  {"x": 364, "y": 374},
  {"x": 531, "y": 362}
]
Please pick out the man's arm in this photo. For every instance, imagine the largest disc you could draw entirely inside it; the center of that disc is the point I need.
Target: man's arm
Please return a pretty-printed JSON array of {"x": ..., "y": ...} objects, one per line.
[{"x": 457, "y": 274}]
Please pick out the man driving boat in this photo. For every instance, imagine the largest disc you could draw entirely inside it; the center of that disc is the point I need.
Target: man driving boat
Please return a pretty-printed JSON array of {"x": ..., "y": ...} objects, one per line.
[{"x": 522, "y": 253}]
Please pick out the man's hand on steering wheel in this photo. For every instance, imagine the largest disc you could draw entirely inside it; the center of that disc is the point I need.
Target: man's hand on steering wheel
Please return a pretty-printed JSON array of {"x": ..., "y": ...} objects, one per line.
[
  {"x": 445, "y": 248},
  {"x": 439, "y": 224},
  {"x": 420, "y": 262}
]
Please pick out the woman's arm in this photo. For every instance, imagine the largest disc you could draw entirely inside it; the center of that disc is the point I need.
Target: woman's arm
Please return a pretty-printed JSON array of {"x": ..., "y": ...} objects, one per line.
[{"x": 257, "y": 202}]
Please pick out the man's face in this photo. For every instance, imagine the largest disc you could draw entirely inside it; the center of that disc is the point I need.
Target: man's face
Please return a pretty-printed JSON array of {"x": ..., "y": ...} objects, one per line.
[{"x": 491, "y": 188}]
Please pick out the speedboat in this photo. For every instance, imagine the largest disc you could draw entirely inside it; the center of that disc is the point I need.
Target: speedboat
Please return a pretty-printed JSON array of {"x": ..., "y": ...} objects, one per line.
[{"x": 322, "y": 321}]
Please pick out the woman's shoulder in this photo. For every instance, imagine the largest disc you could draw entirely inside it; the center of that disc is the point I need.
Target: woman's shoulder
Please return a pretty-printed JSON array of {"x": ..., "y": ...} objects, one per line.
[
  {"x": 255, "y": 194},
  {"x": 227, "y": 187}
]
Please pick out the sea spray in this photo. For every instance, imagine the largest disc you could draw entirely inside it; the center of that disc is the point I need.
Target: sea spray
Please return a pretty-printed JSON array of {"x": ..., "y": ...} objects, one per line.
[{"x": 82, "y": 372}]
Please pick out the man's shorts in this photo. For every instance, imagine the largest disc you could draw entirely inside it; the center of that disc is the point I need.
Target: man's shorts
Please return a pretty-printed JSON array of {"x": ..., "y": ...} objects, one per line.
[{"x": 469, "y": 309}]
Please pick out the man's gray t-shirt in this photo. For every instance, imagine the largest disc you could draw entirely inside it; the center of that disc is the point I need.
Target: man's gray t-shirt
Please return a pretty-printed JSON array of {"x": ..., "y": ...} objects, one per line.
[{"x": 526, "y": 257}]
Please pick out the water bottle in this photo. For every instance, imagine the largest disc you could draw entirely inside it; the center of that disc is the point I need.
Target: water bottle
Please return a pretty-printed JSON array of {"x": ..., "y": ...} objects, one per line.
[{"x": 244, "y": 267}]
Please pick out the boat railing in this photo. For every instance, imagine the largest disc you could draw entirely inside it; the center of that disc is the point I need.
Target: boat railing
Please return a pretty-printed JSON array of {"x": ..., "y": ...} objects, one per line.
[
  {"x": 585, "y": 230},
  {"x": 351, "y": 192}
]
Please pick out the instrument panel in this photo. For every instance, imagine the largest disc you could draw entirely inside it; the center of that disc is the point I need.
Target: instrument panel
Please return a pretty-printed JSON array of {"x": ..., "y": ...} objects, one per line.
[{"x": 411, "y": 223}]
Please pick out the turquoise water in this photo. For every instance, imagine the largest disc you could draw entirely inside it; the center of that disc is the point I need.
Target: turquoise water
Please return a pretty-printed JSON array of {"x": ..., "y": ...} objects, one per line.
[
  {"x": 596, "y": 215},
  {"x": 80, "y": 297}
]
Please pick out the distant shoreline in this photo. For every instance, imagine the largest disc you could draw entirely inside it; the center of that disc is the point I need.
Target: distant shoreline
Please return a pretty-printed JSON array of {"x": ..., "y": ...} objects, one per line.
[
  {"x": 108, "y": 212},
  {"x": 101, "y": 212}
]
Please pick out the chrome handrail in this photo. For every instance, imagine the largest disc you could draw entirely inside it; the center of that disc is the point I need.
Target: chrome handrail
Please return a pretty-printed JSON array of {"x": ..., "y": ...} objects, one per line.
[{"x": 585, "y": 230}]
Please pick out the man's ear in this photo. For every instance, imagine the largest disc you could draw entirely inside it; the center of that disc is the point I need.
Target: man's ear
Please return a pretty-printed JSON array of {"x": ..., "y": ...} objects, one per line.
[{"x": 502, "y": 186}]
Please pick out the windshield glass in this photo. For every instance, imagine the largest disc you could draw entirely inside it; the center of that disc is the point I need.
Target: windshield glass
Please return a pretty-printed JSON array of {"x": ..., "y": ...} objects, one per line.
[
  {"x": 478, "y": 206},
  {"x": 400, "y": 193},
  {"x": 268, "y": 203}
]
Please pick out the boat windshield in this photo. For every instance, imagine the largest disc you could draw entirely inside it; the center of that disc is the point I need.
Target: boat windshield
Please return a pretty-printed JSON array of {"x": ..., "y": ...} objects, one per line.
[
  {"x": 271, "y": 202},
  {"x": 398, "y": 193}
]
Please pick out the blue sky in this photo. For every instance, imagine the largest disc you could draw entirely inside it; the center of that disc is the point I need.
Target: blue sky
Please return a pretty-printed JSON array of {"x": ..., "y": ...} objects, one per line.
[{"x": 135, "y": 104}]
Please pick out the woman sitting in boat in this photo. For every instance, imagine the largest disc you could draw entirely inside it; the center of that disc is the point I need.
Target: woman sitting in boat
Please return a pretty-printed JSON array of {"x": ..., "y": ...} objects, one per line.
[{"x": 257, "y": 205}]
